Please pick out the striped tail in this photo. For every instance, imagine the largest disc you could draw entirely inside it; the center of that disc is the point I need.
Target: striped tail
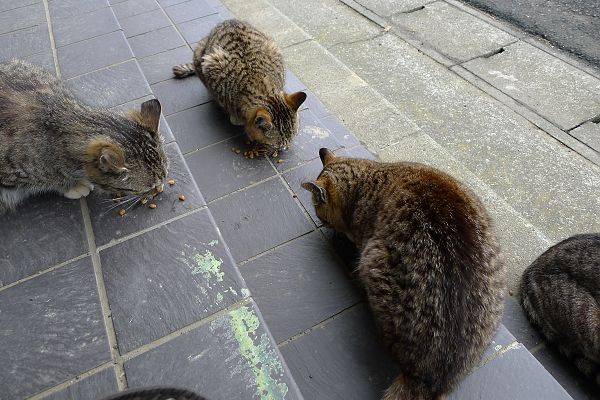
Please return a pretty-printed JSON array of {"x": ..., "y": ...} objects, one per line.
[{"x": 183, "y": 70}]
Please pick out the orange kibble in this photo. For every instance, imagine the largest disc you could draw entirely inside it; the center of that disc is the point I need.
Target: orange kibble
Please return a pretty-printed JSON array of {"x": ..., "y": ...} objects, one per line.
[
  {"x": 122, "y": 212},
  {"x": 152, "y": 206},
  {"x": 171, "y": 182}
]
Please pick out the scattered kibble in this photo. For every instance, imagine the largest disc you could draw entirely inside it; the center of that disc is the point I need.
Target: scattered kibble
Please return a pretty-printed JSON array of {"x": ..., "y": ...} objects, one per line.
[
  {"x": 144, "y": 200},
  {"x": 275, "y": 154},
  {"x": 160, "y": 189},
  {"x": 171, "y": 182},
  {"x": 182, "y": 198},
  {"x": 122, "y": 212},
  {"x": 152, "y": 206},
  {"x": 237, "y": 151},
  {"x": 118, "y": 195},
  {"x": 279, "y": 161}
]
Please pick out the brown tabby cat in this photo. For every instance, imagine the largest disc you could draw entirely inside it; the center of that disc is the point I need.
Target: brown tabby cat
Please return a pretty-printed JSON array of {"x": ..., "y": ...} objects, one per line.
[
  {"x": 51, "y": 142},
  {"x": 560, "y": 292},
  {"x": 243, "y": 70},
  {"x": 429, "y": 263}
]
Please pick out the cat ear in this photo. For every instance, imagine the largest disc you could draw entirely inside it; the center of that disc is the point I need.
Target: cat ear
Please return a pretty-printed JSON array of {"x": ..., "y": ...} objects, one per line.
[
  {"x": 295, "y": 100},
  {"x": 316, "y": 190},
  {"x": 262, "y": 120},
  {"x": 326, "y": 155},
  {"x": 111, "y": 159},
  {"x": 150, "y": 114}
]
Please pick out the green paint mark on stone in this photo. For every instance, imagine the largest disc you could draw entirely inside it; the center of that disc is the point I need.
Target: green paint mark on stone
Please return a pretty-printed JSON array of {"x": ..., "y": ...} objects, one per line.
[
  {"x": 261, "y": 357},
  {"x": 219, "y": 298},
  {"x": 212, "y": 243},
  {"x": 245, "y": 292},
  {"x": 208, "y": 266}
]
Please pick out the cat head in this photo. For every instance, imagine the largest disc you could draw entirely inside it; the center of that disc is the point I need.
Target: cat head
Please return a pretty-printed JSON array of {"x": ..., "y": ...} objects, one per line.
[
  {"x": 130, "y": 159},
  {"x": 276, "y": 124}
]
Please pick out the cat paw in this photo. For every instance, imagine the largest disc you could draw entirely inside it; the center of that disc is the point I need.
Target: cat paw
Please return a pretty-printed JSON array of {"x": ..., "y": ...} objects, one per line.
[{"x": 79, "y": 191}]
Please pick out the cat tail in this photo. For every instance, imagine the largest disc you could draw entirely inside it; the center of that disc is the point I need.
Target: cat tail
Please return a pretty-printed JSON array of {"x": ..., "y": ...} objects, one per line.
[
  {"x": 405, "y": 388},
  {"x": 183, "y": 70}
]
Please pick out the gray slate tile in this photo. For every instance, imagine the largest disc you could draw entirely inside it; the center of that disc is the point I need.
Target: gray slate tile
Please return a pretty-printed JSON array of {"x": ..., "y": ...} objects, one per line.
[
  {"x": 73, "y": 8},
  {"x": 23, "y": 17},
  {"x": 314, "y": 104},
  {"x": 231, "y": 357},
  {"x": 96, "y": 23},
  {"x": 94, "y": 387},
  {"x": 306, "y": 173},
  {"x": 292, "y": 83},
  {"x": 24, "y": 42},
  {"x": 44, "y": 59},
  {"x": 201, "y": 126},
  {"x": 341, "y": 359},
  {"x": 111, "y": 86},
  {"x": 158, "y": 68},
  {"x": 168, "y": 278},
  {"x": 43, "y": 232},
  {"x": 155, "y": 42},
  {"x": 259, "y": 218},
  {"x": 189, "y": 10},
  {"x": 180, "y": 94},
  {"x": 516, "y": 322},
  {"x": 341, "y": 133},
  {"x": 92, "y": 54},
  {"x": 219, "y": 171},
  {"x": 6, "y": 5},
  {"x": 167, "y": 3},
  {"x": 53, "y": 326},
  {"x": 130, "y": 8},
  {"x": 195, "y": 30},
  {"x": 108, "y": 225},
  {"x": 142, "y": 23},
  {"x": 343, "y": 247},
  {"x": 299, "y": 285}
]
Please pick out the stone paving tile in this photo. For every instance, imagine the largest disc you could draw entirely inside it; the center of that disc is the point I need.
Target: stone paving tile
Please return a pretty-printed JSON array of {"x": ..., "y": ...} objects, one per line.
[
  {"x": 387, "y": 8},
  {"x": 295, "y": 178},
  {"x": 180, "y": 94},
  {"x": 588, "y": 133},
  {"x": 112, "y": 86},
  {"x": 24, "y": 42},
  {"x": 142, "y": 23},
  {"x": 53, "y": 326},
  {"x": 155, "y": 42},
  {"x": 130, "y": 8},
  {"x": 158, "y": 68},
  {"x": 94, "y": 387},
  {"x": 452, "y": 32},
  {"x": 168, "y": 278},
  {"x": 293, "y": 84},
  {"x": 231, "y": 357},
  {"x": 189, "y": 10},
  {"x": 201, "y": 126},
  {"x": 315, "y": 105},
  {"x": 340, "y": 132},
  {"x": 299, "y": 285},
  {"x": 259, "y": 218},
  {"x": 107, "y": 223},
  {"x": 167, "y": 3},
  {"x": 341, "y": 359},
  {"x": 26, "y": 249},
  {"x": 96, "y": 23},
  {"x": 73, "y": 8},
  {"x": 92, "y": 54},
  {"x": 219, "y": 171},
  {"x": 554, "y": 89},
  {"x": 515, "y": 320},
  {"x": 164, "y": 128},
  {"x": 6, "y": 5},
  {"x": 197, "y": 29},
  {"x": 23, "y": 17},
  {"x": 44, "y": 59}
]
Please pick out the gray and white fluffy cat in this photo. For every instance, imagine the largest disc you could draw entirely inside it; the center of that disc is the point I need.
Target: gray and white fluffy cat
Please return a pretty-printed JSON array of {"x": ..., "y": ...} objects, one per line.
[
  {"x": 243, "y": 70},
  {"x": 52, "y": 142},
  {"x": 560, "y": 293}
]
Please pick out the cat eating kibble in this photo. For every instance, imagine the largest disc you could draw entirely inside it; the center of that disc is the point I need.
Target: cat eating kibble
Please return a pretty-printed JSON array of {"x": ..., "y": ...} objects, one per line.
[
  {"x": 429, "y": 262},
  {"x": 52, "y": 142},
  {"x": 243, "y": 70}
]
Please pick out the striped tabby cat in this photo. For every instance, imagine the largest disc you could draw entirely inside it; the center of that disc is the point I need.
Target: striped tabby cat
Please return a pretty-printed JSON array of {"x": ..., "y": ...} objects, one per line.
[
  {"x": 429, "y": 262},
  {"x": 243, "y": 70},
  {"x": 560, "y": 292}
]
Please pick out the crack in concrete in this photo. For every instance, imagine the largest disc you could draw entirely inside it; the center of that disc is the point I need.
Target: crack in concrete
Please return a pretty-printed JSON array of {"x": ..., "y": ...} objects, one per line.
[{"x": 380, "y": 34}]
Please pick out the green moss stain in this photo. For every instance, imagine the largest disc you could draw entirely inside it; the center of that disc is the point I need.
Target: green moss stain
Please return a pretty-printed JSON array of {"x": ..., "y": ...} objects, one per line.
[
  {"x": 219, "y": 298},
  {"x": 213, "y": 243},
  {"x": 207, "y": 265},
  {"x": 245, "y": 292},
  {"x": 261, "y": 357}
]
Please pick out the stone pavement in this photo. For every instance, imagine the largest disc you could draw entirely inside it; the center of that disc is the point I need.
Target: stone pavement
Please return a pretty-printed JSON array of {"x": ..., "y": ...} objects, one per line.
[{"x": 239, "y": 292}]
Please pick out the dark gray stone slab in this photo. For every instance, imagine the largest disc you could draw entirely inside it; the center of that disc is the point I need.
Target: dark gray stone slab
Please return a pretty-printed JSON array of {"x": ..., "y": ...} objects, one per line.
[
  {"x": 180, "y": 94},
  {"x": 168, "y": 278},
  {"x": 219, "y": 171},
  {"x": 111, "y": 86},
  {"x": 142, "y": 23},
  {"x": 24, "y": 42},
  {"x": 155, "y": 42},
  {"x": 43, "y": 232},
  {"x": 107, "y": 223},
  {"x": 44, "y": 59},
  {"x": 341, "y": 359},
  {"x": 231, "y": 357},
  {"x": 96, "y": 23},
  {"x": 189, "y": 10},
  {"x": 6, "y": 5},
  {"x": 299, "y": 285},
  {"x": 130, "y": 8},
  {"x": 92, "y": 54},
  {"x": 292, "y": 83},
  {"x": 72, "y": 8},
  {"x": 314, "y": 104},
  {"x": 164, "y": 128},
  {"x": 311, "y": 137},
  {"x": 201, "y": 126},
  {"x": 197, "y": 29},
  {"x": 306, "y": 173},
  {"x": 94, "y": 387},
  {"x": 341, "y": 133},
  {"x": 53, "y": 326},
  {"x": 359, "y": 152},
  {"x": 516, "y": 321},
  {"x": 23, "y": 17},
  {"x": 158, "y": 68},
  {"x": 259, "y": 218},
  {"x": 167, "y": 3}
]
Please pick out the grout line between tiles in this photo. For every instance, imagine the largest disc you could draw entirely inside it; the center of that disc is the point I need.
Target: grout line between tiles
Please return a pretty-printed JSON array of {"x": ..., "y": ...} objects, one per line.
[
  {"x": 174, "y": 25},
  {"x": 105, "y": 67},
  {"x": 52, "y": 41}
]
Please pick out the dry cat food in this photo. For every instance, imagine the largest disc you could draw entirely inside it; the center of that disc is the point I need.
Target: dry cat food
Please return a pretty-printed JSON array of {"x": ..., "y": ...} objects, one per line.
[
  {"x": 171, "y": 182},
  {"x": 144, "y": 200},
  {"x": 182, "y": 198},
  {"x": 152, "y": 206},
  {"x": 122, "y": 212}
]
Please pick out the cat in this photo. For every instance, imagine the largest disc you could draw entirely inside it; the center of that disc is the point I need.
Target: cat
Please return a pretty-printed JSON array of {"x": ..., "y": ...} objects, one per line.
[
  {"x": 429, "y": 263},
  {"x": 52, "y": 142},
  {"x": 243, "y": 70},
  {"x": 560, "y": 293}
]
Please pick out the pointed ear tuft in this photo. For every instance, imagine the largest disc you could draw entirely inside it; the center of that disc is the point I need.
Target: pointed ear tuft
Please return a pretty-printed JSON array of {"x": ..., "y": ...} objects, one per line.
[
  {"x": 150, "y": 115},
  {"x": 263, "y": 120},
  {"x": 317, "y": 191},
  {"x": 326, "y": 155},
  {"x": 295, "y": 100}
]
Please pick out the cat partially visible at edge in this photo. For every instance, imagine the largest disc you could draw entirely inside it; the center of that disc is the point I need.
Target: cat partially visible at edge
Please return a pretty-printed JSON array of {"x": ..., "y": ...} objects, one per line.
[
  {"x": 52, "y": 142},
  {"x": 429, "y": 263},
  {"x": 243, "y": 70},
  {"x": 560, "y": 293}
]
